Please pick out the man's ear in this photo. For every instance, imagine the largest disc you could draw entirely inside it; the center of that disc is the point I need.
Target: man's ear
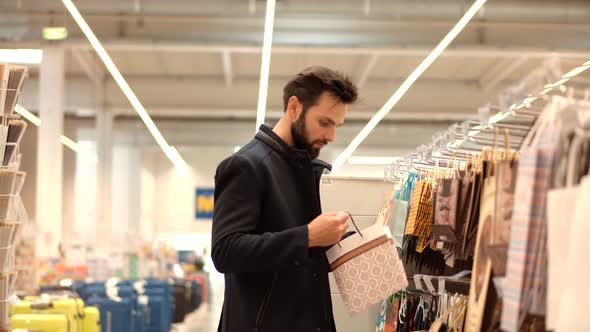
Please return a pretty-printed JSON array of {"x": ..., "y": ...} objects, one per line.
[{"x": 294, "y": 108}]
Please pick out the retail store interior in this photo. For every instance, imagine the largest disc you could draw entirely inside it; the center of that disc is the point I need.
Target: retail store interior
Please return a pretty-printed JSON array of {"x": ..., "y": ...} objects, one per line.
[{"x": 468, "y": 146}]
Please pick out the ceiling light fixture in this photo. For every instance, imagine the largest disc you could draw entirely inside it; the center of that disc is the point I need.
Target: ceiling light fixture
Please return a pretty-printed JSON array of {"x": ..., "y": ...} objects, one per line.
[
  {"x": 265, "y": 65},
  {"x": 21, "y": 56},
  {"x": 64, "y": 140},
  {"x": 70, "y": 144},
  {"x": 55, "y": 33},
  {"x": 116, "y": 74},
  {"x": 179, "y": 163},
  {"x": 27, "y": 115},
  {"x": 576, "y": 71},
  {"x": 396, "y": 97}
]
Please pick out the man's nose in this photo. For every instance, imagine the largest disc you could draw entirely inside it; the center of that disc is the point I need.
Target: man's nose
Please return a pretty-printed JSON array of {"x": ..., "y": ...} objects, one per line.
[{"x": 331, "y": 136}]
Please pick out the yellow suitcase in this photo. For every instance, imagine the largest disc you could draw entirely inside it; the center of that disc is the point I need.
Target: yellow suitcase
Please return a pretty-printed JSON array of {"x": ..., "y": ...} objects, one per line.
[
  {"x": 91, "y": 320},
  {"x": 72, "y": 308},
  {"x": 42, "y": 322}
]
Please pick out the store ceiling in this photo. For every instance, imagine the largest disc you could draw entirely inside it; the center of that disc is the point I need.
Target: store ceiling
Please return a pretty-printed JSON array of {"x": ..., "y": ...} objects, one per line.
[{"x": 201, "y": 58}]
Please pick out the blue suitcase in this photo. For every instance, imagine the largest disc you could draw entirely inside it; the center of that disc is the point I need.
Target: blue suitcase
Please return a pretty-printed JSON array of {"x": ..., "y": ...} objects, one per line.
[
  {"x": 93, "y": 290},
  {"x": 116, "y": 316},
  {"x": 168, "y": 298},
  {"x": 127, "y": 291},
  {"x": 141, "y": 316},
  {"x": 157, "y": 321}
]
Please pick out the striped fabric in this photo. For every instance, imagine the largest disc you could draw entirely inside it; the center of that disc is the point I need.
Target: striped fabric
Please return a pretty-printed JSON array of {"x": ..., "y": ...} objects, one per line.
[{"x": 526, "y": 275}]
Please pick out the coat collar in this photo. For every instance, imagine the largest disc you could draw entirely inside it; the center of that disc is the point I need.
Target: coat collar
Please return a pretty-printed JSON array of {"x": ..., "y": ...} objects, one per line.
[{"x": 270, "y": 138}]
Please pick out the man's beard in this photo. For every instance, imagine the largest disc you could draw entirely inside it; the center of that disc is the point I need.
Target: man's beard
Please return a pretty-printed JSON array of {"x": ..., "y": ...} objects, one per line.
[{"x": 301, "y": 140}]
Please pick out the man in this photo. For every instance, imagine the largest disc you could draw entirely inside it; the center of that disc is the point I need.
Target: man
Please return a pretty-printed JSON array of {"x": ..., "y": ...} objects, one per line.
[{"x": 269, "y": 233}]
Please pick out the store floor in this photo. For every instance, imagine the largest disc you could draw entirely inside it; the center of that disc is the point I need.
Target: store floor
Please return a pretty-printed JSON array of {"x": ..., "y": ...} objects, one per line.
[{"x": 202, "y": 320}]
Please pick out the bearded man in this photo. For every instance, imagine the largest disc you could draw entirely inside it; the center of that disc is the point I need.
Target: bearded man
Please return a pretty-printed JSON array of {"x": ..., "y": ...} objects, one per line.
[{"x": 269, "y": 234}]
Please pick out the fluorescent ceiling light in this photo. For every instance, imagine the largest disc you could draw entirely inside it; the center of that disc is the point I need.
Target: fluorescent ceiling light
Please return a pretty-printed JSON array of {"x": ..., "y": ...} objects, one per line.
[
  {"x": 408, "y": 83},
  {"x": 64, "y": 140},
  {"x": 559, "y": 83},
  {"x": 371, "y": 160},
  {"x": 27, "y": 115},
  {"x": 74, "y": 146},
  {"x": 21, "y": 56},
  {"x": 70, "y": 144},
  {"x": 265, "y": 65},
  {"x": 178, "y": 162},
  {"x": 55, "y": 33},
  {"x": 576, "y": 71},
  {"x": 108, "y": 62}
]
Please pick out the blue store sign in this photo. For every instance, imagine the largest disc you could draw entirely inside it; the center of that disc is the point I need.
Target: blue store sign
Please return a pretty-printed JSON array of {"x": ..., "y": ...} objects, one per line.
[{"x": 204, "y": 203}]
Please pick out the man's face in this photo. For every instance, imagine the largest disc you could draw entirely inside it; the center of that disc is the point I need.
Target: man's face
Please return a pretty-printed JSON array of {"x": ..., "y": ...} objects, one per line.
[{"x": 316, "y": 128}]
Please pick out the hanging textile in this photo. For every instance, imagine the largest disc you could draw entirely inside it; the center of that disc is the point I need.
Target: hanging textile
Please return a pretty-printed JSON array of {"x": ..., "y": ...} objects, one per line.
[
  {"x": 573, "y": 316},
  {"x": 524, "y": 286},
  {"x": 399, "y": 211},
  {"x": 566, "y": 210},
  {"x": 505, "y": 185},
  {"x": 482, "y": 265},
  {"x": 420, "y": 216},
  {"x": 420, "y": 310}
]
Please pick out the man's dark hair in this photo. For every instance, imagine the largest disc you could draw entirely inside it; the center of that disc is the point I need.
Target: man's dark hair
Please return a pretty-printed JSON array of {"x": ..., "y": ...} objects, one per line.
[{"x": 308, "y": 85}]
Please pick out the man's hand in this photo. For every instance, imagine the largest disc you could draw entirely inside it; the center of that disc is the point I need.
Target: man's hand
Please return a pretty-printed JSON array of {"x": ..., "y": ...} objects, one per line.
[{"x": 327, "y": 229}]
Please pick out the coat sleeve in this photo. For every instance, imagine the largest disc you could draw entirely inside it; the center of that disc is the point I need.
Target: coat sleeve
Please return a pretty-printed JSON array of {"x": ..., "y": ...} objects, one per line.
[{"x": 236, "y": 246}]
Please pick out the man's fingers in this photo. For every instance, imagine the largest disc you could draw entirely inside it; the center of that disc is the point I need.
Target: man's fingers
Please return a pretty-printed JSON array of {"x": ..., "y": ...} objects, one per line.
[
  {"x": 343, "y": 217},
  {"x": 332, "y": 214}
]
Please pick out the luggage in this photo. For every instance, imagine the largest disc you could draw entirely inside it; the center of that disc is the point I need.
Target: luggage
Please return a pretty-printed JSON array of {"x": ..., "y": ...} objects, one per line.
[
  {"x": 42, "y": 322},
  {"x": 160, "y": 288},
  {"x": 73, "y": 309},
  {"x": 115, "y": 315},
  {"x": 197, "y": 295},
  {"x": 91, "y": 320},
  {"x": 94, "y": 289},
  {"x": 182, "y": 298},
  {"x": 125, "y": 290},
  {"x": 141, "y": 317},
  {"x": 158, "y": 313}
]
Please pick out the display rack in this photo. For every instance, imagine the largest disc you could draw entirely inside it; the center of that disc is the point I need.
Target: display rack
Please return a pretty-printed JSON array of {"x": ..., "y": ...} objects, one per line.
[{"x": 13, "y": 215}]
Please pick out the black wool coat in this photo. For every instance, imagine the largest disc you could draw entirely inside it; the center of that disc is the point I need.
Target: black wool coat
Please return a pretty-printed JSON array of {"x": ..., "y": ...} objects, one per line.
[{"x": 265, "y": 195}]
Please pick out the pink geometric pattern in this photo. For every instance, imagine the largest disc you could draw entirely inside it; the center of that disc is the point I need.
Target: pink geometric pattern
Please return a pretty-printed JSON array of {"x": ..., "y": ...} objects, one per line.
[{"x": 370, "y": 277}]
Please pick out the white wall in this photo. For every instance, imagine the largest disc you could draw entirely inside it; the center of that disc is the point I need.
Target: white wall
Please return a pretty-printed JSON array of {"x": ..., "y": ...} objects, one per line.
[
  {"x": 172, "y": 197},
  {"x": 169, "y": 199}
]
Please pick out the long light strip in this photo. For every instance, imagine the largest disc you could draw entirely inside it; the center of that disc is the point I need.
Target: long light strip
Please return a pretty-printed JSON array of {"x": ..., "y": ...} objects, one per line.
[
  {"x": 401, "y": 91},
  {"x": 106, "y": 59},
  {"x": 27, "y": 115},
  {"x": 21, "y": 56},
  {"x": 178, "y": 162},
  {"x": 64, "y": 140},
  {"x": 265, "y": 65},
  {"x": 70, "y": 143}
]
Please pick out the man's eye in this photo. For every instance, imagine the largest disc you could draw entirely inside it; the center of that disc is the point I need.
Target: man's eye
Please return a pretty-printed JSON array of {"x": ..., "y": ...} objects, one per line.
[{"x": 324, "y": 123}]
